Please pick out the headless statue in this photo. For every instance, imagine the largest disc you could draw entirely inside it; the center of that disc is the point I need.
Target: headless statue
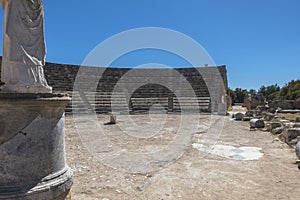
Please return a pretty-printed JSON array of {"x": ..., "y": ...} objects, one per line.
[{"x": 24, "y": 47}]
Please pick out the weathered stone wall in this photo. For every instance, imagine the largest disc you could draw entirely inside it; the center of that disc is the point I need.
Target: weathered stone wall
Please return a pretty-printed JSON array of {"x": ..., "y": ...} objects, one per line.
[
  {"x": 285, "y": 104},
  {"x": 61, "y": 77},
  {"x": 252, "y": 101}
]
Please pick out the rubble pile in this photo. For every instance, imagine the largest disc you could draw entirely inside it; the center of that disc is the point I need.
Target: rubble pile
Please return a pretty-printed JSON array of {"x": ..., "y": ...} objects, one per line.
[{"x": 287, "y": 131}]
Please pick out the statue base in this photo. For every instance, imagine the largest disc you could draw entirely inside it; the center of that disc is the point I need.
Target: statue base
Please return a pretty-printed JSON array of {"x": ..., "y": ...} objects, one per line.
[
  {"x": 32, "y": 148},
  {"x": 21, "y": 88}
]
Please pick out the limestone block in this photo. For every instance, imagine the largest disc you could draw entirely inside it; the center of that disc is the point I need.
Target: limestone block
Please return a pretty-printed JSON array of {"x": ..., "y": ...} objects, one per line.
[
  {"x": 289, "y": 124},
  {"x": 277, "y": 131},
  {"x": 238, "y": 116},
  {"x": 289, "y": 134},
  {"x": 250, "y": 113},
  {"x": 284, "y": 121},
  {"x": 268, "y": 116},
  {"x": 273, "y": 125},
  {"x": 296, "y": 125},
  {"x": 257, "y": 123},
  {"x": 297, "y": 150},
  {"x": 247, "y": 118}
]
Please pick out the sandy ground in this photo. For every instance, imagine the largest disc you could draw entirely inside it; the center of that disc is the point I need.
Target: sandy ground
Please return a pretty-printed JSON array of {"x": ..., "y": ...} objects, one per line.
[{"x": 136, "y": 167}]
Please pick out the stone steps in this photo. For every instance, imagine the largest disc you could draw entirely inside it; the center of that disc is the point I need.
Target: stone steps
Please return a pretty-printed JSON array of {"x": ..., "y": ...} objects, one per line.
[
  {"x": 101, "y": 102},
  {"x": 62, "y": 77}
]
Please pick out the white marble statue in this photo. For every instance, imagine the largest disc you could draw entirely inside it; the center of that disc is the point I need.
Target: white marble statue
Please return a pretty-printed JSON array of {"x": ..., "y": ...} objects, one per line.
[{"x": 23, "y": 47}]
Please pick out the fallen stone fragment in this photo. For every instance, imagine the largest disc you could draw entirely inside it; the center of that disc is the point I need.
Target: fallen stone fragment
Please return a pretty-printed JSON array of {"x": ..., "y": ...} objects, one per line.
[
  {"x": 247, "y": 118},
  {"x": 257, "y": 123},
  {"x": 273, "y": 125},
  {"x": 257, "y": 113},
  {"x": 296, "y": 125},
  {"x": 239, "y": 116},
  {"x": 297, "y": 150},
  {"x": 290, "y": 111},
  {"x": 289, "y": 124},
  {"x": 249, "y": 113},
  {"x": 277, "y": 131},
  {"x": 297, "y": 119},
  {"x": 268, "y": 116},
  {"x": 112, "y": 120},
  {"x": 284, "y": 121},
  {"x": 295, "y": 141},
  {"x": 289, "y": 134}
]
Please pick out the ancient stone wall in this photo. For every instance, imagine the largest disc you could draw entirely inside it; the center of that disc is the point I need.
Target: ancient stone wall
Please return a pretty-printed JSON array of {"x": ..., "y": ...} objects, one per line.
[
  {"x": 285, "y": 104},
  {"x": 206, "y": 85}
]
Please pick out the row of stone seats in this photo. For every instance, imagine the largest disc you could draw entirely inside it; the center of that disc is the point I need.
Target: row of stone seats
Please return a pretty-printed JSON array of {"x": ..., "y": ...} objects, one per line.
[
  {"x": 93, "y": 93},
  {"x": 101, "y": 102},
  {"x": 105, "y": 99}
]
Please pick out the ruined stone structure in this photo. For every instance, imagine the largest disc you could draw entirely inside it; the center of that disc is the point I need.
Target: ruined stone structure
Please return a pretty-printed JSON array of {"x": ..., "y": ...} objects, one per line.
[
  {"x": 61, "y": 77},
  {"x": 284, "y": 104},
  {"x": 252, "y": 101}
]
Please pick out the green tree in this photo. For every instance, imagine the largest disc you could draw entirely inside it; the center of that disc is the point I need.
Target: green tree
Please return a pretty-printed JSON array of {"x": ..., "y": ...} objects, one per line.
[
  {"x": 238, "y": 95},
  {"x": 252, "y": 92},
  {"x": 267, "y": 91},
  {"x": 290, "y": 91}
]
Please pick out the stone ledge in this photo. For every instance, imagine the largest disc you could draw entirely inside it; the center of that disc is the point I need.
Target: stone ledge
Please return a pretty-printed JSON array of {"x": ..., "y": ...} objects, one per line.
[{"x": 11, "y": 95}]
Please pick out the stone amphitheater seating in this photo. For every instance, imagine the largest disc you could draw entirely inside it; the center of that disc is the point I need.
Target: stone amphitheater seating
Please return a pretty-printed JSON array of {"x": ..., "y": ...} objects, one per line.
[{"x": 84, "y": 100}]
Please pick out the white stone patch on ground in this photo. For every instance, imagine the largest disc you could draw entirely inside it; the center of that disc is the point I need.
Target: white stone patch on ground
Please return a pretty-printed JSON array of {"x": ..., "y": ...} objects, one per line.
[{"x": 241, "y": 153}]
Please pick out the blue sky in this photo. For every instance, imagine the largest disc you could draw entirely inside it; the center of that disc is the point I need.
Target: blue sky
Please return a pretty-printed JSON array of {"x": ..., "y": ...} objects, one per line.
[{"x": 259, "y": 41}]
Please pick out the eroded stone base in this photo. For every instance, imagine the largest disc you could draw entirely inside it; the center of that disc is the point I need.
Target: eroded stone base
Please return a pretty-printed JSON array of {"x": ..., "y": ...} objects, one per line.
[{"x": 32, "y": 147}]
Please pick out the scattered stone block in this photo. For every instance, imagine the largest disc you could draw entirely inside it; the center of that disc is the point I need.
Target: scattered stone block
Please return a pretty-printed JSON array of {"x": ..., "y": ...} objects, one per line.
[
  {"x": 289, "y": 124},
  {"x": 257, "y": 113},
  {"x": 268, "y": 116},
  {"x": 247, "y": 118},
  {"x": 257, "y": 123},
  {"x": 277, "y": 117},
  {"x": 239, "y": 116},
  {"x": 296, "y": 125},
  {"x": 261, "y": 107},
  {"x": 289, "y": 134},
  {"x": 112, "y": 120},
  {"x": 295, "y": 141},
  {"x": 284, "y": 121},
  {"x": 297, "y": 150},
  {"x": 277, "y": 131},
  {"x": 297, "y": 119},
  {"x": 273, "y": 125},
  {"x": 249, "y": 113}
]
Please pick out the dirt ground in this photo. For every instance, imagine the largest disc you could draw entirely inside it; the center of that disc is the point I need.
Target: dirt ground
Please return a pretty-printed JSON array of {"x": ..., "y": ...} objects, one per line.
[{"x": 185, "y": 173}]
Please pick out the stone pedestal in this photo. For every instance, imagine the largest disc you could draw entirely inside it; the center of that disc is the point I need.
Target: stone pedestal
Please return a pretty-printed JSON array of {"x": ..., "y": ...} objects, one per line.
[{"x": 32, "y": 148}]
